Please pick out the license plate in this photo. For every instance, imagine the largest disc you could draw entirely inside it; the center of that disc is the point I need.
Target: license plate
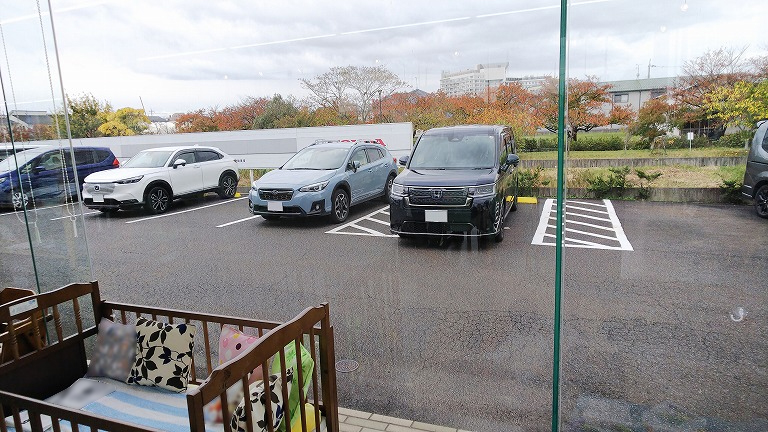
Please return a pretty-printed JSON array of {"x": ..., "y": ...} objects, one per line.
[
  {"x": 98, "y": 198},
  {"x": 275, "y": 206},
  {"x": 436, "y": 215}
]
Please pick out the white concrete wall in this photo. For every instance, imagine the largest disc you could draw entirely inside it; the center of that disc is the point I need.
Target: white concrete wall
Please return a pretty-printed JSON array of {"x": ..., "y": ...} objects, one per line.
[{"x": 262, "y": 148}]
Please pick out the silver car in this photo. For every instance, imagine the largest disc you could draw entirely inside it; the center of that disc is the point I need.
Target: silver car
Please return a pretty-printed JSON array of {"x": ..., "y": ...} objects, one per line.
[{"x": 756, "y": 177}]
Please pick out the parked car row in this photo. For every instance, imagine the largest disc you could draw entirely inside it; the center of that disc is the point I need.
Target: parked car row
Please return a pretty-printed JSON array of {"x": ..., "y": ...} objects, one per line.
[
  {"x": 457, "y": 181},
  {"x": 151, "y": 179}
]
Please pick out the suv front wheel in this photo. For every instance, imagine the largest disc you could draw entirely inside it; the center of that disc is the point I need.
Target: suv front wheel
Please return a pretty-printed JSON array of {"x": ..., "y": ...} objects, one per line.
[
  {"x": 340, "y": 208},
  {"x": 157, "y": 200}
]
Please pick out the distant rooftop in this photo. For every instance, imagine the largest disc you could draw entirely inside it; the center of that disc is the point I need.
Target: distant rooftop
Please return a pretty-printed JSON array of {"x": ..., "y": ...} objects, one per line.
[{"x": 641, "y": 84}]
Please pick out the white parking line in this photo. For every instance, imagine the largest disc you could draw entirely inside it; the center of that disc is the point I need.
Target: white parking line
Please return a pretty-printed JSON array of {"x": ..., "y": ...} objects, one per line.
[
  {"x": 67, "y": 217},
  {"x": 237, "y": 221},
  {"x": 546, "y": 229},
  {"x": 36, "y": 209},
  {"x": 185, "y": 211},
  {"x": 366, "y": 231}
]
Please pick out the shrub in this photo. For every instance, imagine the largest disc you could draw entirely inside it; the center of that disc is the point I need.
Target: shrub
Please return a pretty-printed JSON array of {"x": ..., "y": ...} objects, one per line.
[
  {"x": 646, "y": 179},
  {"x": 529, "y": 179},
  {"x": 731, "y": 181},
  {"x": 739, "y": 139},
  {"x": 612, "y": 186}
]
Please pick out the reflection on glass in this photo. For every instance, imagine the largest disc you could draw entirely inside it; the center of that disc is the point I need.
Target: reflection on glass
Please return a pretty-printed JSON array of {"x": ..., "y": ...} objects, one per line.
[
  {"x": 663, "y": 298},
  {"x": 42, "y": 245},
  {"x": 659, "y": 337}
]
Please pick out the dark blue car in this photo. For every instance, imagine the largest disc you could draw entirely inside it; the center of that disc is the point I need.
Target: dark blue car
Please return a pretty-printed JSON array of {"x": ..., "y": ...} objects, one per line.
[{"x": 46, "y": 174}]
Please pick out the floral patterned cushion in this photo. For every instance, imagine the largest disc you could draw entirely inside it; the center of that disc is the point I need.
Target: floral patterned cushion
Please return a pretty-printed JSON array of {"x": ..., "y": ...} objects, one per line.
[
  {"x": 114, "y": 352},
  {"x": 163, "y": 355},
  {"x": 258, "y": 398}
]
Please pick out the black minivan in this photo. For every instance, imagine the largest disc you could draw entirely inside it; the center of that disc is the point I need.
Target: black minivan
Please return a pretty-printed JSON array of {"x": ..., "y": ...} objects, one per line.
[
  {"x": 458, "y": 181},
  {"x": 756, "y": 177}
]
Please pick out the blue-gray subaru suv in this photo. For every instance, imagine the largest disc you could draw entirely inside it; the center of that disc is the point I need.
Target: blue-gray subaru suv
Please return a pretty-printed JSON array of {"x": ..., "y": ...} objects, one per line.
[{"x": 325, "y": 178}]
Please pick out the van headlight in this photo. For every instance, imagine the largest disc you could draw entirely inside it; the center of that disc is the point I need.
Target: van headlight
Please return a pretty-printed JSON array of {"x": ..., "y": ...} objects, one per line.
[
  {"x": 399, "y": 190},
  {"x": 482, "y": 190},
  {"x": 314, "y": 187}
]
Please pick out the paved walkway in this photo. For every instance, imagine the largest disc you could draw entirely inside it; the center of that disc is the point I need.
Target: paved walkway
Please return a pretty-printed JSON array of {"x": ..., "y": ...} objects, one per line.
[{"x": 360, "y": 421}]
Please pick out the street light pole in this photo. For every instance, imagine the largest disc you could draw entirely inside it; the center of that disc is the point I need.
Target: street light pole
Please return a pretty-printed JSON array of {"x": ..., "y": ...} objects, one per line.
[{"x": 379, "y": 105}]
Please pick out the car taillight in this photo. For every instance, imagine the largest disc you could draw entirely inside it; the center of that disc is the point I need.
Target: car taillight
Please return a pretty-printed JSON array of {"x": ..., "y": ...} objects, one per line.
[{"x": 116, "y": 163}]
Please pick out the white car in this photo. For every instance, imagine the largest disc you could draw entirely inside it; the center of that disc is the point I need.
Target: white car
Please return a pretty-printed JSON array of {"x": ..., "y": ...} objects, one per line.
[{"x": 155, "y": 177}]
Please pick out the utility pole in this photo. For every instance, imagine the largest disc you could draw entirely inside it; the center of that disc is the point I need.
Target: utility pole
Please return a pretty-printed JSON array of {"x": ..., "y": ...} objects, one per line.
[
  {"x": 649, "y": 68},
  {"x": 379, "y": 105}
]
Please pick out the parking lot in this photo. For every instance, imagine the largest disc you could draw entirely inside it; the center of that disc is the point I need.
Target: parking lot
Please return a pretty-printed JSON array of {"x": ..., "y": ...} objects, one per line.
[{"x": 433, "y": 324}]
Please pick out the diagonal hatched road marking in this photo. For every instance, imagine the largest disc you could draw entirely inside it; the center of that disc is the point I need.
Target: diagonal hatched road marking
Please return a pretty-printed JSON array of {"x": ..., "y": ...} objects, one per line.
[
  {"x": 592, "y": 225},
  {"x": 356, "y": 227}
]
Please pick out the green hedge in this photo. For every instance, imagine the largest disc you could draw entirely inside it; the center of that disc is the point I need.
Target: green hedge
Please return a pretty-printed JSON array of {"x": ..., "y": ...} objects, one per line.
[
  {"x": 616, "y": 142},
  {"x": 582, "y": 143}
]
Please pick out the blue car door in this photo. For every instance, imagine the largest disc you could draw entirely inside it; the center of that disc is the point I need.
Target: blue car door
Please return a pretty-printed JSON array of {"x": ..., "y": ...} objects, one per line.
[
  {"x": 378, "y": 169},
  {"x": 357, "y": 179},
  {"x": 46, "y": 175}
]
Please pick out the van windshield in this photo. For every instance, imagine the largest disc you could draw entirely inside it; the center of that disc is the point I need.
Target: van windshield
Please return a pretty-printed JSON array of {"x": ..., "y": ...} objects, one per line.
[{"x": 454, "y": 151}]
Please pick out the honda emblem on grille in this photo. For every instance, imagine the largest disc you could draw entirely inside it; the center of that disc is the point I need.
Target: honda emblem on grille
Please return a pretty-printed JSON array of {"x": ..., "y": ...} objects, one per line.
[
  {"x": 96, "y": 187},
  {"x": 437, "y": 193},
  {"x": 275, "y": 192}
]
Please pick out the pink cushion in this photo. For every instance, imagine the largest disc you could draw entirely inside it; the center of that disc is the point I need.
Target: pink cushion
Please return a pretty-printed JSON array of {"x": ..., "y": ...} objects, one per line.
[{"x": 232, "y": 343}]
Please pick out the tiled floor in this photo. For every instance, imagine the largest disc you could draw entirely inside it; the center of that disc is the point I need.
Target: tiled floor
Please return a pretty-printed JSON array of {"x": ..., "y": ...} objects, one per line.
[{"x": 360, "y": 421}]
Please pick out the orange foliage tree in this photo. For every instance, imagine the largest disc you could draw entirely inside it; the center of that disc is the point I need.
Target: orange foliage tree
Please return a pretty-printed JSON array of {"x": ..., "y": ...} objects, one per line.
[{"x": 589, "y": 106}]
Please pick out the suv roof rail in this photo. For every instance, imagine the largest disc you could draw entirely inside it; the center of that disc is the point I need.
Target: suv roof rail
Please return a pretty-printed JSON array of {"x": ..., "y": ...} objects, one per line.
[{"x": 363, "y": 140}]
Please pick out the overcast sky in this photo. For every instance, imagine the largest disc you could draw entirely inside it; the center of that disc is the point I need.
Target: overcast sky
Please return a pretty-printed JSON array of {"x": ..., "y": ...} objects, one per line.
[{"x": 177, "y": 56}]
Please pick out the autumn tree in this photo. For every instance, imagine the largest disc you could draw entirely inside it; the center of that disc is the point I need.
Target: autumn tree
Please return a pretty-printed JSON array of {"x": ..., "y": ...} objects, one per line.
[
  {"x": 653, "y": 119},
  {"x": 202, "y": 120},
  {"x": 740, "y": 105},
  {"x": 723, "y": 67},
  {"x": 241, "y": 115},
  {"x": 589, "y": 106},
  {"x": 124, "y": 122},
  {"x": 276, "y": 112},
  {"x": 358, "y": 86},
  {"x": 521, "y": 108},
  {"x": 86, "y": 114}
]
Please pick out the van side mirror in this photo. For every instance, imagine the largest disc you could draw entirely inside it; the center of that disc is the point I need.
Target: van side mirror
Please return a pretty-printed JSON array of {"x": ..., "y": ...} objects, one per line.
[
  {"x": 513, "y": 159},
  {"x": 404, "y": 160},
  {"x": 178, "y": 162}
]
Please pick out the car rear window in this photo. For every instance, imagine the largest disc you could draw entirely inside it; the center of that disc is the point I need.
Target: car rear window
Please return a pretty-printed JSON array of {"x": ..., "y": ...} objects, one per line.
[{"x": 207, "y": 155}]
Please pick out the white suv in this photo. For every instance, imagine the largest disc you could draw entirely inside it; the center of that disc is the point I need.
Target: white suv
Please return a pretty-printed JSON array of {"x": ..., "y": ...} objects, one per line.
[{"x": 155, "y": 177}]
